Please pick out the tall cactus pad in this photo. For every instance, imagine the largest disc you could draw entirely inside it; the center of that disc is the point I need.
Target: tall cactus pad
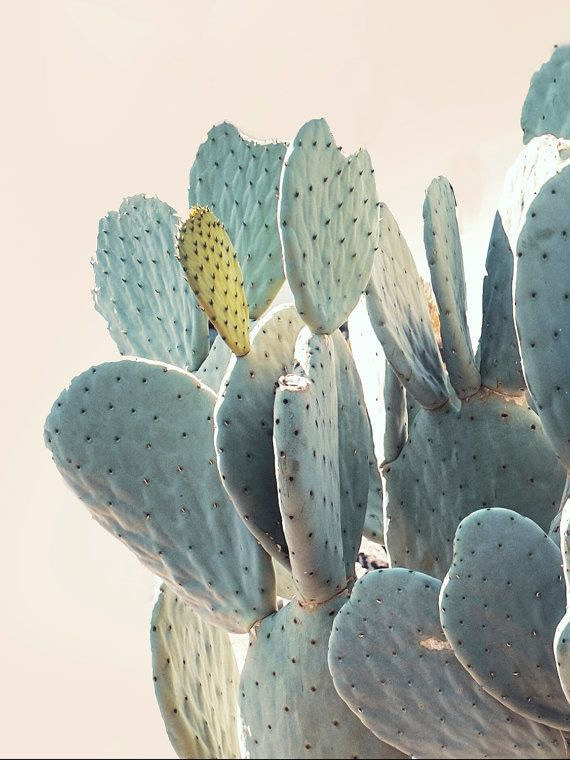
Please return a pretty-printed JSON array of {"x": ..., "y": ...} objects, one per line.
[
  {"x": 374, "y": 521},
  {"x": 445, "y": 259},
  {"x": 134, "y": 440},
  {"x": 399, "y": 314},
  {"x": 140, "y": 288},
  {"x": 488, "y": 452},
  {"x": 500, "y": 604},
  {"x": 329, "y": 226},
  {"x": 562, "y": 636},
  {"x": 406, "y": 684},
  {"x": 213, "y": 271},
  {"x": 546, "y": 109},
  {"x": 238, "y": 178},
  {"x": 195, "y": 680},
  {"x": 288, "y": 703},
  {"x": 500, "y": 361},
  {"x": 542, "y": 307},
  {"x": 244, "y": 426}
]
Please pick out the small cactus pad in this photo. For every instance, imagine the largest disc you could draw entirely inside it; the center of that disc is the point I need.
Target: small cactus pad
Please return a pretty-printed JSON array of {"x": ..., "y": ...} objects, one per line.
[
  {"x": 195, "y": 680},
  {"x": 542, "y": 307},
  {"x": 140, "y": 288},
  {"x": 329, "y": 226},
  {"x": 214, "y": 274},
  {"x": 562, "y": 635},
  {"x": 489, "y": 451},
  {"x": 393, "y": 666},
  {"x": 288, "y": 703},
  {"x": 500, "y": 361},
  {"x": 399, "y": 314},
  {"x": 374, "y": 521},
  {"x": 397, "y": 417},
  {"x": 238, "y": 178},
  {"x": 305, "y": 434},
  {"x": 134, "y": 440},
  {"x": 445, "y": 259},
  {"x": 546, "y": 109},
  {"x": 244, "y": 426},
  {"x": 500, "y": 604},
  {"x": 215, "y": 364}
]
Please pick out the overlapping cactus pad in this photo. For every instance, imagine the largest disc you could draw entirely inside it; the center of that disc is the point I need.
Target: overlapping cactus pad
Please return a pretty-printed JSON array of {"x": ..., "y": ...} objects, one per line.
[{"x": 243, "y": 468}]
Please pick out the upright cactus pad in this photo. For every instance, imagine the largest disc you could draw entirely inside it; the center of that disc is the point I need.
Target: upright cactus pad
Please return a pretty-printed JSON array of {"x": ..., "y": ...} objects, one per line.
[
  {"x": 400, "y": 317},
  {"x": 215, "y": 364},
  {"x": 486, "y": 452},
  {"x": 238, "y": 178},
  {"x": 445, "y": 259},
  {"x": 562, "y": 635},
  {"x": 140, "y": 288},
  {"x": 392, "y": 665},
  {"x": 213, "y": 271},
  {"x": 288, "y": 703},
  {"x": 329, "y": 226},
  {"x": 542, "y": 307},
  {"x": 500, "y": 604},
  {"x": 134, "y": 440},
  {"x": 244, "y": 426},
  {"x": 546, "y": 109},
  {"x": 195, "y": 680}
]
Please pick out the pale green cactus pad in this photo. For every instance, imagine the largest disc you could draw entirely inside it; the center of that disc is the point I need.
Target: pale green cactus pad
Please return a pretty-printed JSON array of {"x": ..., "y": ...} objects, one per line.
[
  {"x": 329, "y": 226},
  {"x": 134, "y": 440},
  {"x": 215, "y": 364},
  {"x": 542, "y": 307},
  {"x": 288, "y": 703},
  {"x": 195, "y": 680},
  {"x": 238, "y": 178},
  {"x": 562, "y": 635},
  {"x": 393, "y": 666},
  {"x": 486, "y": 452},
  {"x": 546, "y": 109},
  {"x": 374, "y": 520},
  {"x": 500, "y": 604},
  {"x": 140, "y": 288},
  {"x": 214, "y": 274},
  {"x": 445, "y": 259},
  {"x": 399, "y": 314},
  {"x": 397, "y": 416},
  {"x": 244, "y": 426}
]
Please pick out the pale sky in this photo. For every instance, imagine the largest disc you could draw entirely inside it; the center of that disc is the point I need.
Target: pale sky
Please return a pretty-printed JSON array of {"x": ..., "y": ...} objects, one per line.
[{"x": 107, "y": 98}]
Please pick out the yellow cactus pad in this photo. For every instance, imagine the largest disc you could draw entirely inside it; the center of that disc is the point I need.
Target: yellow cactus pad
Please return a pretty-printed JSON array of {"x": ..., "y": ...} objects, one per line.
[{"x": 214, "y": 274}]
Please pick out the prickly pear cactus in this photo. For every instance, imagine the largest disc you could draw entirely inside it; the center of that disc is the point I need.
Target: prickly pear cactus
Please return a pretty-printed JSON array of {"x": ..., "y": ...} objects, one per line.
[{"x": 546, "y": 109}]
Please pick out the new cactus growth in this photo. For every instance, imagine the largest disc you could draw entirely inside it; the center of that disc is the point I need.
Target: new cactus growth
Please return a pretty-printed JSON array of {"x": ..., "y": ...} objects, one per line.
[{"x": 252, "y": 467}]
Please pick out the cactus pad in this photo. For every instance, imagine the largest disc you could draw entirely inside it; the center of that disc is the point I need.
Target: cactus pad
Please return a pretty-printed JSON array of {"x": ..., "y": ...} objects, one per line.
[
  {"x": 399, "y": 314},
  {"x": 214, "y": 274},
  {"x": 546, "y": 109},
  {"x": 407, "y": 686},
  {"x": 445, "y": 259},
  {"x": 140, "y": 288},
  {"x": 238, "y": 178},
  {"x": 288, "y": 703},
  {"x": 500, "y": 604},
  {"x": 215, "y": 364},
  {"x": 134, "y": 440},
  {"x": 329, "y": 226},
  {"x": 195, "y": 680},
  {"x": 487, "y": 452},
  {"x": 244, "y": 426}
]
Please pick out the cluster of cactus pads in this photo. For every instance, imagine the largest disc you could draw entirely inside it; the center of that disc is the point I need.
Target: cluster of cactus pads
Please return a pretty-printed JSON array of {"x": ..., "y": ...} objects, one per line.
[{"x": 244, "y": 471}]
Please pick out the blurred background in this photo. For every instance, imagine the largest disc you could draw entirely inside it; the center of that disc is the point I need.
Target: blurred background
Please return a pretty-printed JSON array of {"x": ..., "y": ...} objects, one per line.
[{"x": 107, "y": 98}]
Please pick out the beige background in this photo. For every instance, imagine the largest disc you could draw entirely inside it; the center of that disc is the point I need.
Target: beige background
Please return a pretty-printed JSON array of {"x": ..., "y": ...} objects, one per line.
[{"x": 105, "y": 98}]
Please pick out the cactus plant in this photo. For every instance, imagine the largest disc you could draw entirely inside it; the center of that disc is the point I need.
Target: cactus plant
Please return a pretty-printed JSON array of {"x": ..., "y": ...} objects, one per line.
[{"x": 248, "y": 468}]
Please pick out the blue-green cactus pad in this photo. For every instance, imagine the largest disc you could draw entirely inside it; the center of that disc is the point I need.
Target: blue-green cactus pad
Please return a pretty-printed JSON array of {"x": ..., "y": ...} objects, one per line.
[
  {"x": 562, "y": 635},
  {"x": 546, "y": 109},
  {"x": 374, "y": 521},
  {"x": 542, "y": 307},
  {"x": 500, "y": 360},
  {"x": 140, "y": 288},
  {"x": 195, "y": 680},
  {"x": 244, "y": 426},
  {"x": 329, "y": 226},
  {"x": 215, "y": 364},
  {"x": 397, "y": 416},
  {"x": 393, "y": 666},
  {"x": 399, "y": 314},
  {"x": 288, "y": 703},
  {"x": 500, "y": 604},
  {"x": 489, "y": 451},
  {"x": 134, "y": 440},
  {"x": 445, "y": 259},
  {"x": 238, "y": 179}
]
